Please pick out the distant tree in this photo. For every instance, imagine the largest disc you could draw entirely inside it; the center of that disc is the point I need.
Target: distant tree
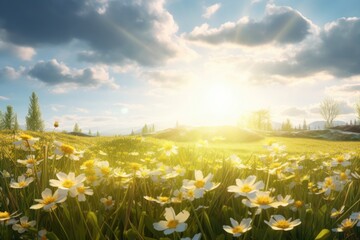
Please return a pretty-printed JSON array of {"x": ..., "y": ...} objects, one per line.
[
  {"x": 76, "y": 128},
  {"x": 16, "y": 123},
  {"x": 355, "y": 122},
  {"x": 1, "y": 121},
  {"x": 304, "y": 126},
  {"x": 90, "y": 133},
  {"x": 145, "y": 130},
  {"x": 357, "y": 108},
  {"x": 329, "y": 110},
  {"x": 351, "y": 123},
  {"x": 9, "y": 118},
  {"x": 97, "y": 134},
  {"x": 33, "y": 119},
  {"x": 259, "y": 120},
  {"x": 287, "y": 126},
  {"x": 132, "y": 132}
]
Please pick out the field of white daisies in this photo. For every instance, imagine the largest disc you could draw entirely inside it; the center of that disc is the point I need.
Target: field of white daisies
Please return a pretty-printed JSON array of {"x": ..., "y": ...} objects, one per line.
[{"x": 56, "y": 187}]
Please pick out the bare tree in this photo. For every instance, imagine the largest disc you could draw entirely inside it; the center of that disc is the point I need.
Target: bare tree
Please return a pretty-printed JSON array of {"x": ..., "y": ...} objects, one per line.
[
  {"x": 357, "y": 108},
  {"x": 329, "y": 110}
]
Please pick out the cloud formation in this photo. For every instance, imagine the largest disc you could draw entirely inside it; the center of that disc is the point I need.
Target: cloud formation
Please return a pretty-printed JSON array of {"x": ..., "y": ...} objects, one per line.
[
  {"x": 294, "y": 112},
  {"x": 57, "y": 73},
  {"x": 336, "y": 52},
  {"x": 209, "y": 11},
  {"x": 280, "y": 25},
  {"x": 113, "y": 32},
  {"x": 166, "y": 79}
]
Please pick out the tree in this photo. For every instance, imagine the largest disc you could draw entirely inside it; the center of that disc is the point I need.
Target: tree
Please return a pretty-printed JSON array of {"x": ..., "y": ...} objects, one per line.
[
  {"x": 260, "y": 120},
  {"x": 16, "y": 123},
  {"x": 90, "y": 133},
  {"x": 357, "y": 109},
  {"x": 33, "y": 119},
  {"x": 145, "y": 130},
  {"x": 1, "y": 121},
  {"x": 9, "y": 118},
  {"x": 132, "y": 132},
  {"x": 76, "y": 128},
  {"x": 287, "y": 126},
  {"x": 329, "y": 110},
  {"x": 304, "y": 127},
  {"x": 97, "y": 134}
]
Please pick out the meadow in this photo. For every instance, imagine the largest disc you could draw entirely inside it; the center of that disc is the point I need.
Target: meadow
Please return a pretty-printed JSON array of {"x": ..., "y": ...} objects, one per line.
[{"x": 58, "y": 186}]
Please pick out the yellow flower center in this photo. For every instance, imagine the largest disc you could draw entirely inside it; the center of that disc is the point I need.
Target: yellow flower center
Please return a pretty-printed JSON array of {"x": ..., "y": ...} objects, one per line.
[
  {"x": 298, "y": 204},
  {"x": 246, "y": 188},
  {"x": 81, "y": 190},
  {"x": 328, "y": 182},
  {"x": 172, "y": 223},
  {"x": 199, "y": 183},
  {"x": 88, "y": 164},
  {"x": 25, "y": 224},
  {"x": 135, "y": 166},
  {"x": 163, "y": 199},
  {"x": 4, "y": 214},
  {"x": 108, "y": 202},
  {"x": 105, "y": 170},
  {"x": 68, "y": 183},
  {"x": 48, "y": 200},
  {"x": 347, "y": 225},
  {"x": 340, "y": 159},
  {"x": 238, "y": 229},
  {"x": 30, "y": 161},
  {"x": 25, "y": 137},
  {"x": 343, "y": 176},
  {"x": 263, "y": 200},
  {"x": 67, "y": 149},
  {"x": 22, "y": 184},
  {"x": 91, "y": 178},
  {"x": 282, "y": 224}
]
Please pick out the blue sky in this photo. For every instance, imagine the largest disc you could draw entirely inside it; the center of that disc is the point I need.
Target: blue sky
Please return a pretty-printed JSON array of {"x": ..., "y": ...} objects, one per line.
[{"x": 114, "y": 65}]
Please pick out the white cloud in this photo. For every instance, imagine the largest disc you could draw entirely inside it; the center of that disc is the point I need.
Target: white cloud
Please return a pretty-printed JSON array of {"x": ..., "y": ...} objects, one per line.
[
  {"x": 209, "y": 11},
  {"x": 3, "y": 98}
]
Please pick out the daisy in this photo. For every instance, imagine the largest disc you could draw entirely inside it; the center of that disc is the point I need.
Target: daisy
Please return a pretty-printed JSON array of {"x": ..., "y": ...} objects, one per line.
[
  {"x": 30, "y": 161},
  {"x": 108, "y": 202},
  {"x": 68, "y": 151},
  {"x": 238, "y": 229},
  {"x": 343, "y": 160},
  {"x": 244, "y": 187},
  {"x": 22, "y": 182},
  {"x": 169, "y": 149},
  {"x": 173, "y": 223},
  {"x": 67, "y": 182},
  {"x": 25, "y": 142},
  {"x": 49, "y": 200},
  {"x": 24, "y": 225},
  {"x": 345, "y": 225},
  {"x": 80, "y": 192},
  {"x": 336, "y": 213},
  {"x": 200, "y": 184},
  {"x": 356, "y": 216},
  {"x": 278, "y": 222},
  {"x": 261, "y": 200},
  {"x": 285, "y": 201}
]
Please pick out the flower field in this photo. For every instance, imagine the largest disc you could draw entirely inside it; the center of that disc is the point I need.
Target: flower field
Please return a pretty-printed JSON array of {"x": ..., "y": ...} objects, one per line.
[{"x": 59, "y": 187}]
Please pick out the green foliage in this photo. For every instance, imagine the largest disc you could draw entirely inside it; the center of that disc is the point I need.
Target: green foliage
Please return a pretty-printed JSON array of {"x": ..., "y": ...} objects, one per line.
[
  {"x": 76, "y": 128},
  {"x": 33, "y": 119},
  {"x": 8, "y": 119}
]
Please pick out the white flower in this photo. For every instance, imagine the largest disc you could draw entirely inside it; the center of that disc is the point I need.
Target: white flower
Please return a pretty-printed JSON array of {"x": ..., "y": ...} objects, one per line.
[
  {"x": 244, "y": 187},
  {"x": 24, "y": 225},
  {"x": 30, "y": 161},
  {"x": 285, "y": 201},
  {"x": 343, "y": 160},
  {"x": 238, "y": 229},
  {"x": 278, "y": 222},
  {"x": 336, "y": 213},
  {"x": 22, "y": 182},
  {"x": 261, "y": 200},
  {"x": 345, "y": 225},
  {"x": 80, "y": 192},
  {"x": 68, "y": 151},
  {"x": 173, "y": 223},
  {"x": 200, "y": 184},
  {"x": 108, "y": 202},
  {"x": 356, "y": 216},
  {"x": 169, "y": 149},
  {"x": 68, "y": 182},
  {"x": 26, "y": 142},
  {"x": 196, "y": 237},
  {"x": 49, "y": 200}
]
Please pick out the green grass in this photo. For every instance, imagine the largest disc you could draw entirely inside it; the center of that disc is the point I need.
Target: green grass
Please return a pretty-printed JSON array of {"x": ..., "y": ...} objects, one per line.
[{"x": 132, "y": 216}]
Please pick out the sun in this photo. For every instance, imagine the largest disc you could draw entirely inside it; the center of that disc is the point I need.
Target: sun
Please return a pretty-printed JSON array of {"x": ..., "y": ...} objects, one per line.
[{"x": 219, "y": 99}]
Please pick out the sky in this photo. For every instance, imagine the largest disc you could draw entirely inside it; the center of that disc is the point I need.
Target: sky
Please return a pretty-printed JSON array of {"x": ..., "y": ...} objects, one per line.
[{"x": 114, "y": 65}]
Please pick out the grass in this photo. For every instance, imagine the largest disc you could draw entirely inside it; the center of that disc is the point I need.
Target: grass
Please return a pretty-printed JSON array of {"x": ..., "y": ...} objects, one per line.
[{"x": 135, "y": 167}]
